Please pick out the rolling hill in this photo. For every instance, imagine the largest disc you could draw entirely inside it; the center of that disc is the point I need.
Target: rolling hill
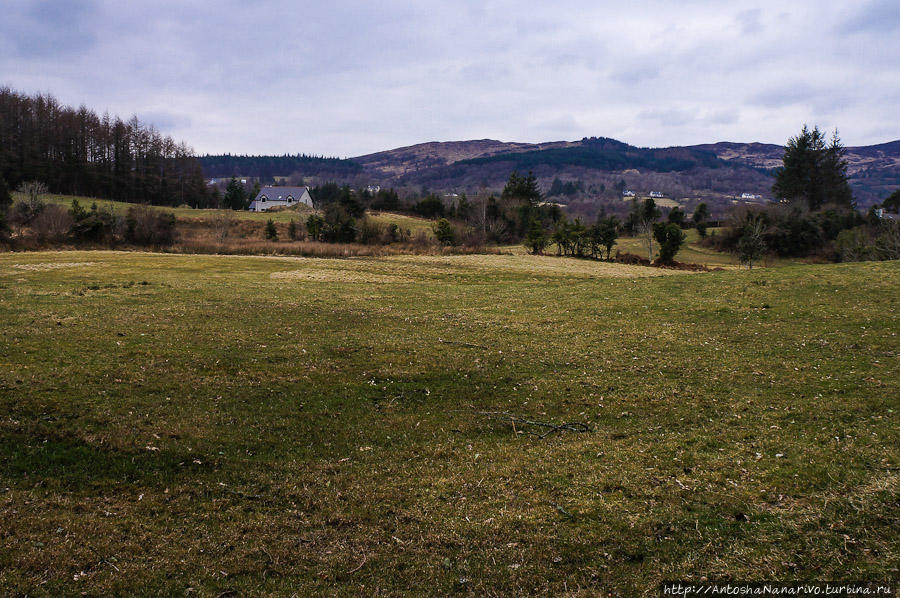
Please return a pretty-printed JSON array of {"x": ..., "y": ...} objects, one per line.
[{"x": 603, "y": 165}]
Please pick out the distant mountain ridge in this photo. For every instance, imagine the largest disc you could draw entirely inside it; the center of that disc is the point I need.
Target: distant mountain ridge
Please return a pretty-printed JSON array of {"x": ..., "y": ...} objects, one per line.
[{"x": 723, "y": 169}]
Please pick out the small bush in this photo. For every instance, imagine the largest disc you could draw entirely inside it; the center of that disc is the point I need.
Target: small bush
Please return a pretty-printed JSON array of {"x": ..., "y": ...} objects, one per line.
[
  {"x": 94, "y": 225},
  {"x": 878, "y": 242},
  {"x": 315, "y": 224},
  {"x": 271, "y": 231},
  {"x": 340, "y": 225},
  {"x": 444, "y": 233},
  {"x": 370, "y": 232},
  {"x": 149, "y": 227},
  {"x": 670, "y": 238},
  {"x": 54, "y": 223},
  {"x": 24, "y": 211},
  {"x": 293, "y": 230}
]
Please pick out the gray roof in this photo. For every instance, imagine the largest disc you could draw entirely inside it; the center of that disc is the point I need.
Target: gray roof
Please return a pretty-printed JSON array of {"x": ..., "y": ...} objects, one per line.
[{"x": 273, "y": 193}]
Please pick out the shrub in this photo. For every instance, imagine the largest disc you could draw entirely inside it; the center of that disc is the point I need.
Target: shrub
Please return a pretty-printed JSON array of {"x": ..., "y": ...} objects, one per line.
[
  {"x": 271, "y": 231},
  {"x": 149, "y": 227},
  {"x": 221, "y": 225},
  {"x": 314, "y": 226},
  {"x": 393, "y": 232},
  {"x": 443, "y": 232},
  {"x": 370, "y": 232},
  {"x": 751, "y": 246},
  {"x": 670, "y": 238},
  {"x": 701, "y": 214},
  {"x": 340, "y": 226},
  {"x": 94, "y": 225},
  {"x": 430, "y": 207},
  {"x": 24, "y": 211},
  {"x": 54, "y": 223},
  {"x": 33, "y": 190},
  {"x": 536, "y": 238},
  {"x": 867, "y": 242}
]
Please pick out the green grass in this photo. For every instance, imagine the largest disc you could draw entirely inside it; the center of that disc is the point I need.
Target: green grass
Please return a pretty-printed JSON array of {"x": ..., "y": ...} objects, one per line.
[
  {"x": 692, "y": 252},
  {"x": 205, "y": 424},
  {"x": 415, "y": 225},
  {"x": 411, "y": 223}
]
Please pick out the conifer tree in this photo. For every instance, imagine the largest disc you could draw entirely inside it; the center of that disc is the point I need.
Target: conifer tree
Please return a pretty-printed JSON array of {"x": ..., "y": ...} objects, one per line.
[
  {"x": 271, "y": 231},
  {"x": 813, "y": 171}
]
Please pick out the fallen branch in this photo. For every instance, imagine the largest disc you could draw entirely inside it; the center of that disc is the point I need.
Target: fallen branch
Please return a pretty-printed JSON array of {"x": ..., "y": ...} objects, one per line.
[
  {"x": 360, "y": 566},
  {"x": 561, "y": 510}
]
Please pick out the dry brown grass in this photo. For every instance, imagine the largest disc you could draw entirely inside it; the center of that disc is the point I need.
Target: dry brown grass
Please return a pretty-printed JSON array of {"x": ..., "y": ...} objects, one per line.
[
  {"x": 316, "y": 249},
  {"x": 43, "y": 266},
  {"x": 210, "y": 425},
  {"x": 535, "y": 265}
]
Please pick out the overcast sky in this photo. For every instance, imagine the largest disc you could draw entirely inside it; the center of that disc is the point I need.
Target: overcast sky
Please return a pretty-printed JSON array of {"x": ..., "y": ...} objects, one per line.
[{"x": 347, "y": 78}]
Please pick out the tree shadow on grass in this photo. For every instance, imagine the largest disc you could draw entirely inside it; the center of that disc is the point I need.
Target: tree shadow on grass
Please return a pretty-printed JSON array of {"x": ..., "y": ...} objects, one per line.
[{"x": 74, "y": 463}]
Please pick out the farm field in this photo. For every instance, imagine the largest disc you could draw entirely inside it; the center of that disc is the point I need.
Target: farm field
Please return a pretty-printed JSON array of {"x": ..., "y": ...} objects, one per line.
[
  {"x": 226, "y": 425},
  {"x": 691, "y": 252},
  {"x": 415, "y": 225}
]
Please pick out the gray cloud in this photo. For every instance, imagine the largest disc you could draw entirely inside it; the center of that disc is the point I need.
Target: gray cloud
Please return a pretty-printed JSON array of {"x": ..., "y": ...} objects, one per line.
[
  {"x": 749, "y": 21},
  {"x": 346, "y": 78},
  {"x": 879, "y": 16},
  {"x": 46, "y": 28}
]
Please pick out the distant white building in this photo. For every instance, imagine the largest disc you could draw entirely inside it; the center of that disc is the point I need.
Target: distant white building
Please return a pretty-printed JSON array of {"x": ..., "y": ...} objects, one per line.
[
  {"x": 750, "y": 196},
  {"x": 277, "y": 197},
  {"x": 627, "y": 193},
  {"x": 885, "y": 215},
  {"x": 373, "y": 188},
  {"x": 657, "y": 194}
]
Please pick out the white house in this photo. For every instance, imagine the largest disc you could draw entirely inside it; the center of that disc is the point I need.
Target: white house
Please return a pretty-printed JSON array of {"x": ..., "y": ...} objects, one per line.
[
  {"x": 276, "y": 197},
  {"x": 750, "y": 196},
  {"x": 885, "y": 215},
  {"x": 627, "y": 193},
  {"x": 657, "y": 194}
]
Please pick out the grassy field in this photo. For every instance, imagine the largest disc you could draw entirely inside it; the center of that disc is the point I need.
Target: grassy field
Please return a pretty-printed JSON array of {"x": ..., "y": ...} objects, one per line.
[
  {"x": 413, "y": 224},
  {"x": 179, "y": 424},
  {"x": 692, "y": 252},
  {"x": 184, "y": 212}
]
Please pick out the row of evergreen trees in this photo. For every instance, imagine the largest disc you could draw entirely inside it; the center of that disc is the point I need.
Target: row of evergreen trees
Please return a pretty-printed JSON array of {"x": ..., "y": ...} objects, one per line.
[
  {"x": 816, "y": 214},
  {"x": 78, "y": 152}
]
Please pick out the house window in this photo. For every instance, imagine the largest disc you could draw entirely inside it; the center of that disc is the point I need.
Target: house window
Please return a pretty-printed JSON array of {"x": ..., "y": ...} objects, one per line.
[
  {"x": 263, "y": 199},
  {"x": 290, "y": 198}
]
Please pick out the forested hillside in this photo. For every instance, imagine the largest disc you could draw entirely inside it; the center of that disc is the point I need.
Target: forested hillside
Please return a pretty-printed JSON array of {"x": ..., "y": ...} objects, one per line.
[
  {"x": 79, "y": 152},
  {"x": 268, "y": 167}
]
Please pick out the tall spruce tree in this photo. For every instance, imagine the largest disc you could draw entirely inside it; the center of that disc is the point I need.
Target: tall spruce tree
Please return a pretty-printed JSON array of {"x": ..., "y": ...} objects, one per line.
[
  {"x": 235, "y": 195},
  {"x": 813, "y": 171},
  {"x": 701, "y": 213}
]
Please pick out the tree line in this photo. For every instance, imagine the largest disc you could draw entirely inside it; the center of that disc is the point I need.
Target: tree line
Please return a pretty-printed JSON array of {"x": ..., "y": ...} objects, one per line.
[
  {"x": 79, "y": 152},
  {"x": 266, "y": 168},
  {"x": 815, "y": 214},
  {"x": 607, "y": 154}
]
